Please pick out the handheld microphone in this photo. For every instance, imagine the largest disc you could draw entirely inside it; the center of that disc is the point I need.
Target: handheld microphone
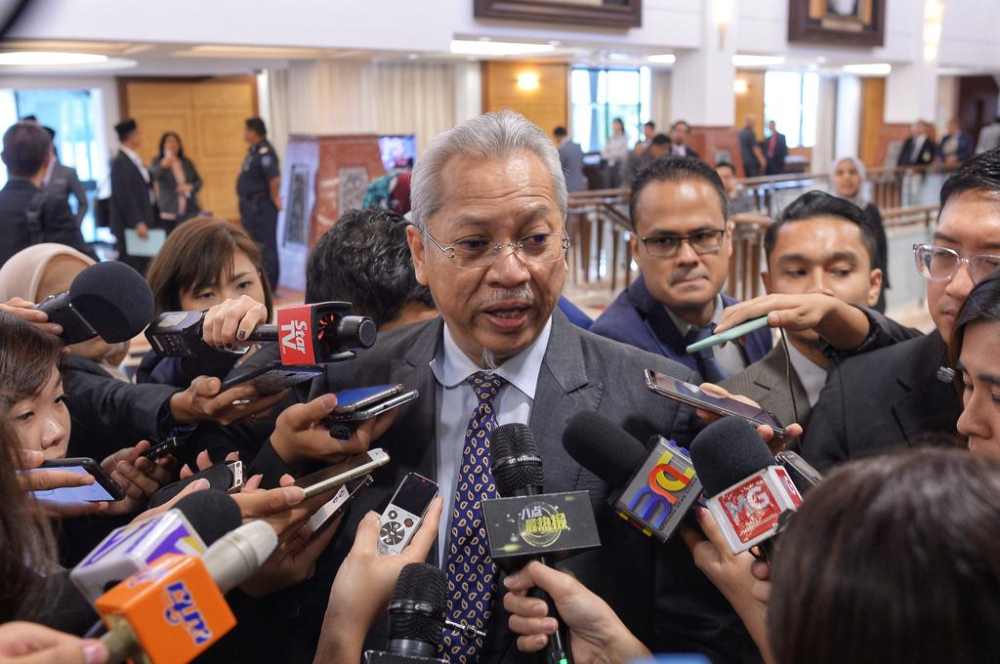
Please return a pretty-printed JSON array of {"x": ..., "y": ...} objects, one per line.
[
  {"x": 653, "y": 489},
  {"x": 416, "y": 617},
  {"x": 175, "y": 609},
  {"x": 110, "y": 300},
  {"x": 747, "y": 492},
  {"x": 517, "y": 471},
  {"x": 197, "y": 521},
  {"x": 308, "y": 334}
]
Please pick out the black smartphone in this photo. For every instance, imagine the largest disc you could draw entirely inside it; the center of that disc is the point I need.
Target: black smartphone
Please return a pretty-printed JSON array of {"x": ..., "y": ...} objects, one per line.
[
  {"x": 358, "y": 398},
  {"x": 226, "y": 477},
  {"x": 103, "y": 489},
  {"x": 694, "y": 396},
  {"x": 273, "y": 378}
]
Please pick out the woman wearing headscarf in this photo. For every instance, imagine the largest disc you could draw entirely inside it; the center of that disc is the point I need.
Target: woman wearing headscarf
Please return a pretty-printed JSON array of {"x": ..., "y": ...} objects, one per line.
[{"x": 849, "y": 181}]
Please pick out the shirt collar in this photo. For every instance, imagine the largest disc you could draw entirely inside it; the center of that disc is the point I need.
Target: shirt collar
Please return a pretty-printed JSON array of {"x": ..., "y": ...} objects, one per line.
[
  {"x": 684, "y": 327},
  {"x": 130, "y": 153},
  {"x": 811, "y": 375},
  {"x": 452, "y": 367}
]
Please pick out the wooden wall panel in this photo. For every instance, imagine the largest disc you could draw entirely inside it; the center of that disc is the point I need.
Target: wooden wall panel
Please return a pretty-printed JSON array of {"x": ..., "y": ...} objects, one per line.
[
  {"x": 750, "y": 102},
  {"x": 208, "y": 114},
  {"x": 870, "y": 137},
  {"x": 547, "y": 106}
]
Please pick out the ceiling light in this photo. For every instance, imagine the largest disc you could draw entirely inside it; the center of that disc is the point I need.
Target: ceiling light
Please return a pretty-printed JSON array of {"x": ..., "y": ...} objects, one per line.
[
  {"x": 740, "y": 86},
  {"x": 619, "y": 57},
  {"x": 874, "y": 69},
  {"x": 743, "y": 60},
  {"x": 494, "y": 48},
  {"x": 663, "y": 59},
  {"x": 528, "y": 81},
  {"x": 49, "y": 59}
]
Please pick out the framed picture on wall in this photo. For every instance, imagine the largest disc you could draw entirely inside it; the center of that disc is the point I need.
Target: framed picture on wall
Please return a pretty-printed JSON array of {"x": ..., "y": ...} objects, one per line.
[
  {"x": 842, "y": 22},
  {"x": 604, "y": 13}
]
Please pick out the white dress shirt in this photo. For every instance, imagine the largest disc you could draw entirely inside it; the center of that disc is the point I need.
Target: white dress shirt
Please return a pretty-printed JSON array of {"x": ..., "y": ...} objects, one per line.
[
  {"x": 811, "y": 375},
  {"x": 456, "y": 403},
  {"x": 137, "y": 161}
]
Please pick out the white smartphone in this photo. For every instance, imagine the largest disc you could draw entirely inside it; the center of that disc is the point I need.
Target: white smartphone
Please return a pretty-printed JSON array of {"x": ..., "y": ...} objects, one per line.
[{"x": 336, "y": 476}]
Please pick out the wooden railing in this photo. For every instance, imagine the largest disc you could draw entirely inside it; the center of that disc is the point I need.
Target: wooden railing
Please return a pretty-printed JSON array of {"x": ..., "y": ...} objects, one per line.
[{"x": 592, "y": 213}]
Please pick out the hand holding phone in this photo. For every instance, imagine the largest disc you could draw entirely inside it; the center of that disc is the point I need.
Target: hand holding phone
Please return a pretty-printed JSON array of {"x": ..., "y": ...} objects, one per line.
[
  {"x": 361, "y": 404},
  {"x": 51, "y": 490},
  {"x": 272, "y": 378}
]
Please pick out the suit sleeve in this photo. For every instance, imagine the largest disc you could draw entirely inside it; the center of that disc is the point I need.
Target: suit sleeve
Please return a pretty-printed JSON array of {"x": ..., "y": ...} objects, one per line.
[
  {"x": 121, "y": 192},
  {"x": 80, "y": 194},
  {"x": 824, "y": 443}
]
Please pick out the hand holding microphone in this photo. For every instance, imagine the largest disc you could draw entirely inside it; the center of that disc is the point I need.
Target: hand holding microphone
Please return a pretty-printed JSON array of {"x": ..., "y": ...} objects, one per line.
[
  {"x": 596, "y": 634},
  {"x": 28, "y": 643},
  {"x": 26, "y": 311}
]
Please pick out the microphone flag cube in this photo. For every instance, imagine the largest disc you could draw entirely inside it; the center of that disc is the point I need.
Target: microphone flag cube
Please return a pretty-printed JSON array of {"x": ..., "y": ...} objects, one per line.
[
  {"x": 173, "y": 608},
  {"x": 750, "y": 511},
  {"x": 294, "y": 335}
]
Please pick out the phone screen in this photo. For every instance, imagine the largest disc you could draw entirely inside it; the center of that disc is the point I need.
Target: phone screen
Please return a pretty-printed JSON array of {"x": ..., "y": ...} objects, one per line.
[
  {"x": 415, "y": 494},
  {"x": 349, "y": 399},
  {"x": 695, "y": 396},
  {"x": 73, "y": 494}
]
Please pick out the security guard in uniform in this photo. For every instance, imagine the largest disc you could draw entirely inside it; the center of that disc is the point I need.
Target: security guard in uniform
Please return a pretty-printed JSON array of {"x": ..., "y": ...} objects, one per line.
[{"x": 258, "y": 187}]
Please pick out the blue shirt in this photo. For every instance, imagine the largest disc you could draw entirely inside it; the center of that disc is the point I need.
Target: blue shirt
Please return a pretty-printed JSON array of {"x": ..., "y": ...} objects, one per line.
[{"x": 456, "y": 403}]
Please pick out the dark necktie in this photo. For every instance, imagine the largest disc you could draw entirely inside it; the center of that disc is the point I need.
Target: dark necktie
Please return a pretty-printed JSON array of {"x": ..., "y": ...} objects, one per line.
[
  {"x": 469, "y": 567},
  {"x": 707, "y": 366}
]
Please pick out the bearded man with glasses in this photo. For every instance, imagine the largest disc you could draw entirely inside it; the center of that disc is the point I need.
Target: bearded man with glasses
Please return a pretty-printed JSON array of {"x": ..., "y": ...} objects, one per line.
[
  {"x": 682, "y": 242},
  {"x": 904, "y": 394}
]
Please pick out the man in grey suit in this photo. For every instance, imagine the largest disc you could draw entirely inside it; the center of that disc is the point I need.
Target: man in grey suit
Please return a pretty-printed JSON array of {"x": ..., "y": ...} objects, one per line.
[
  {"x": 571, "y": 158},
  {"x": 819, "y": 244},
  {"x": 488, "y": 239}
]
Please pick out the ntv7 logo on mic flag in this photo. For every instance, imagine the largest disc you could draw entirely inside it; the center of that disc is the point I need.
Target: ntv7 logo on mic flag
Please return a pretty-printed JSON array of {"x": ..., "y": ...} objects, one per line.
[
  {"x": 750, "y": 507},
  {"x": 296, "y": 344}
]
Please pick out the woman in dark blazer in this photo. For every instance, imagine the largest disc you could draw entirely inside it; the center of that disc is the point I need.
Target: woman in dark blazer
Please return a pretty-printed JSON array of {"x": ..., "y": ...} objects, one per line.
[
  {"x": 176, "y": 181},
  {"x": 850, "y": 182}
]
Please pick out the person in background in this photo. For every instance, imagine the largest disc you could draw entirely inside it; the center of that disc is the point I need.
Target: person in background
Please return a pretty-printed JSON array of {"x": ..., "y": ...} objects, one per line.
[
  {"x": 851, "y": 183},
  {"x": 682, "y": 241},
  {"x": 131, "y": 193},
  {"x": 203, "y": 263},
  {"x": 977, "y": 340},
  {"x": 918, "y": 148},
  {"x": 989, "y": 137},
  {"x": 26, "y": 153},
  {"x": 819, "y": 244},
  {"x": 571, "y": 158},
  {"x": 750, "y": 152},
  {"x": 61, "y": 181},
  {"x": 956, "y": 146},
  {"x": 680, "y": 131},
  {"x": 258, "y": 186},
  {"x": 775, "y": 150},
  {"x": 659, "y": 147},
  {"x": 740, "y": 200},
  {"x": 616, "y": 152},
  {"x": 176, "y": 182},
  {"x": 648, "y": 132}
]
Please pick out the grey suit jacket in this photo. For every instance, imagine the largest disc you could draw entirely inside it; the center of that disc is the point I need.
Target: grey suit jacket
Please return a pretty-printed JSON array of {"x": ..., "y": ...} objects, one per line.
[
  {"x": 655, "y": 589},
  {"x": 765, "y": 382},
  {"x": 63, "y": 182},
  {"x": 571, "y": 157}
]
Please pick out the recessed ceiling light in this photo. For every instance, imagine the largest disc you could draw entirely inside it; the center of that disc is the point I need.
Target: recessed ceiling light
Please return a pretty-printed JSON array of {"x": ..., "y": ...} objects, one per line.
[
  {"x": 412, "y": 56},
  {"x": 49, "y": 59},
  {"x": 663, "y": 59},
  {"x": 873, "y": 69},
  {"x": 495, "y": 48},
  {"x": 743, "y": 60}
]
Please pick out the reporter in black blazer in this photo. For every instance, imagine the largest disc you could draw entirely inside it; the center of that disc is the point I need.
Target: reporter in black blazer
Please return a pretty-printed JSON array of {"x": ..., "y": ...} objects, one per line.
[{"x": 131, "y": 193}]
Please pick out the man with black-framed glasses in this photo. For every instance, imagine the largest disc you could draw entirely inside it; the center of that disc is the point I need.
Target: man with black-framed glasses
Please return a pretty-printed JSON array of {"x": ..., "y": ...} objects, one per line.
[
  {"x": 682, "y": 243},
  {"x": 904, "y": 394}
]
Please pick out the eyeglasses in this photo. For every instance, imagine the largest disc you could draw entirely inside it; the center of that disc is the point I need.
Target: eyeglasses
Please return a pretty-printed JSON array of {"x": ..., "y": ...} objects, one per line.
[
  {"x": 667, "y": 246},
  {"x": 942, "y": 263},
  {"x": 537, "y": 248}
]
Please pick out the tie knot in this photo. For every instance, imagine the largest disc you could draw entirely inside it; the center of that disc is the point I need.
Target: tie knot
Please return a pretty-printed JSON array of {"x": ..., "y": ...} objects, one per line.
[
  {"x": 486, "y": 384},
  {"x": 696, "y": 334}
]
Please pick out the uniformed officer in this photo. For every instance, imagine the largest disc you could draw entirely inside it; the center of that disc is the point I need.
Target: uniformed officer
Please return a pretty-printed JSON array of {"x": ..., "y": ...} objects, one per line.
[{"x": 258, "y": 187}]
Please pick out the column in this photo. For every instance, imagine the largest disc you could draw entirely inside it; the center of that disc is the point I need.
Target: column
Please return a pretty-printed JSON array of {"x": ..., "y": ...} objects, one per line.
[
  {"x": 468, "y": 91},
  {"x": 702, "y": 79},
  {"x": 911, "y": 93}
]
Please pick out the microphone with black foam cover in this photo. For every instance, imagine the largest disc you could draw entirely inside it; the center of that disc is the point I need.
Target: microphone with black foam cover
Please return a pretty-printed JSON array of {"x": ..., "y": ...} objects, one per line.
[
  {"x": 517, "y": 471},
  {"x": 748, "y": 493},
  {"x": 416, "y": 617},
  {"x": 652, "y": 488},
  {"x": 108, "y": 300}
]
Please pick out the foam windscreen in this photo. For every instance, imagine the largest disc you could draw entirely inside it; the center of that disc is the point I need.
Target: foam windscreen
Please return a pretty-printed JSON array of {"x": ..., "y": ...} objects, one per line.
[
  {"x": 603, "y": 448},
  {"x": 728, "y": 451},
  {"x": 114, "y": 299}
]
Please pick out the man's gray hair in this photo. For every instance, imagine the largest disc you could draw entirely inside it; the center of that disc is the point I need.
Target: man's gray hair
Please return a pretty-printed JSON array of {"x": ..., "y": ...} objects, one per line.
[{"x": 488, "y": 136}]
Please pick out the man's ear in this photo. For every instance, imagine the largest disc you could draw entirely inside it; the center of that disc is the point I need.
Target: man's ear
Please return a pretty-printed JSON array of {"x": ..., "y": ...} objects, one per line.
[
  {"x": 415, "y": 239},
  {"x": 874, "y": 286}
]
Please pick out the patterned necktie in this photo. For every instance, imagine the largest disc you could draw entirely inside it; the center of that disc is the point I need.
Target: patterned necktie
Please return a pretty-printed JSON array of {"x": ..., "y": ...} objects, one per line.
[
  {"x": 469, "y": 567},
  {"x": 707, "y": 366}
]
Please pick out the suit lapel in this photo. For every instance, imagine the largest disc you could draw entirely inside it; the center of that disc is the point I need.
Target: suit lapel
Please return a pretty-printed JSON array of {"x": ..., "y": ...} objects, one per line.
[
  {"x": 662, "y": 329},
  {"x": 910, "y": 409},
  {"x": 413, "y": 370},
  {"x": 772, "y": 377},
  {"x": 563, "y": 390}
]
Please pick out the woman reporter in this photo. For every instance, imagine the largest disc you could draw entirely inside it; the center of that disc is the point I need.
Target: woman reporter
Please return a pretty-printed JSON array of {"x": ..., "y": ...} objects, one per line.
[{"x": 203, "y": 263}]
